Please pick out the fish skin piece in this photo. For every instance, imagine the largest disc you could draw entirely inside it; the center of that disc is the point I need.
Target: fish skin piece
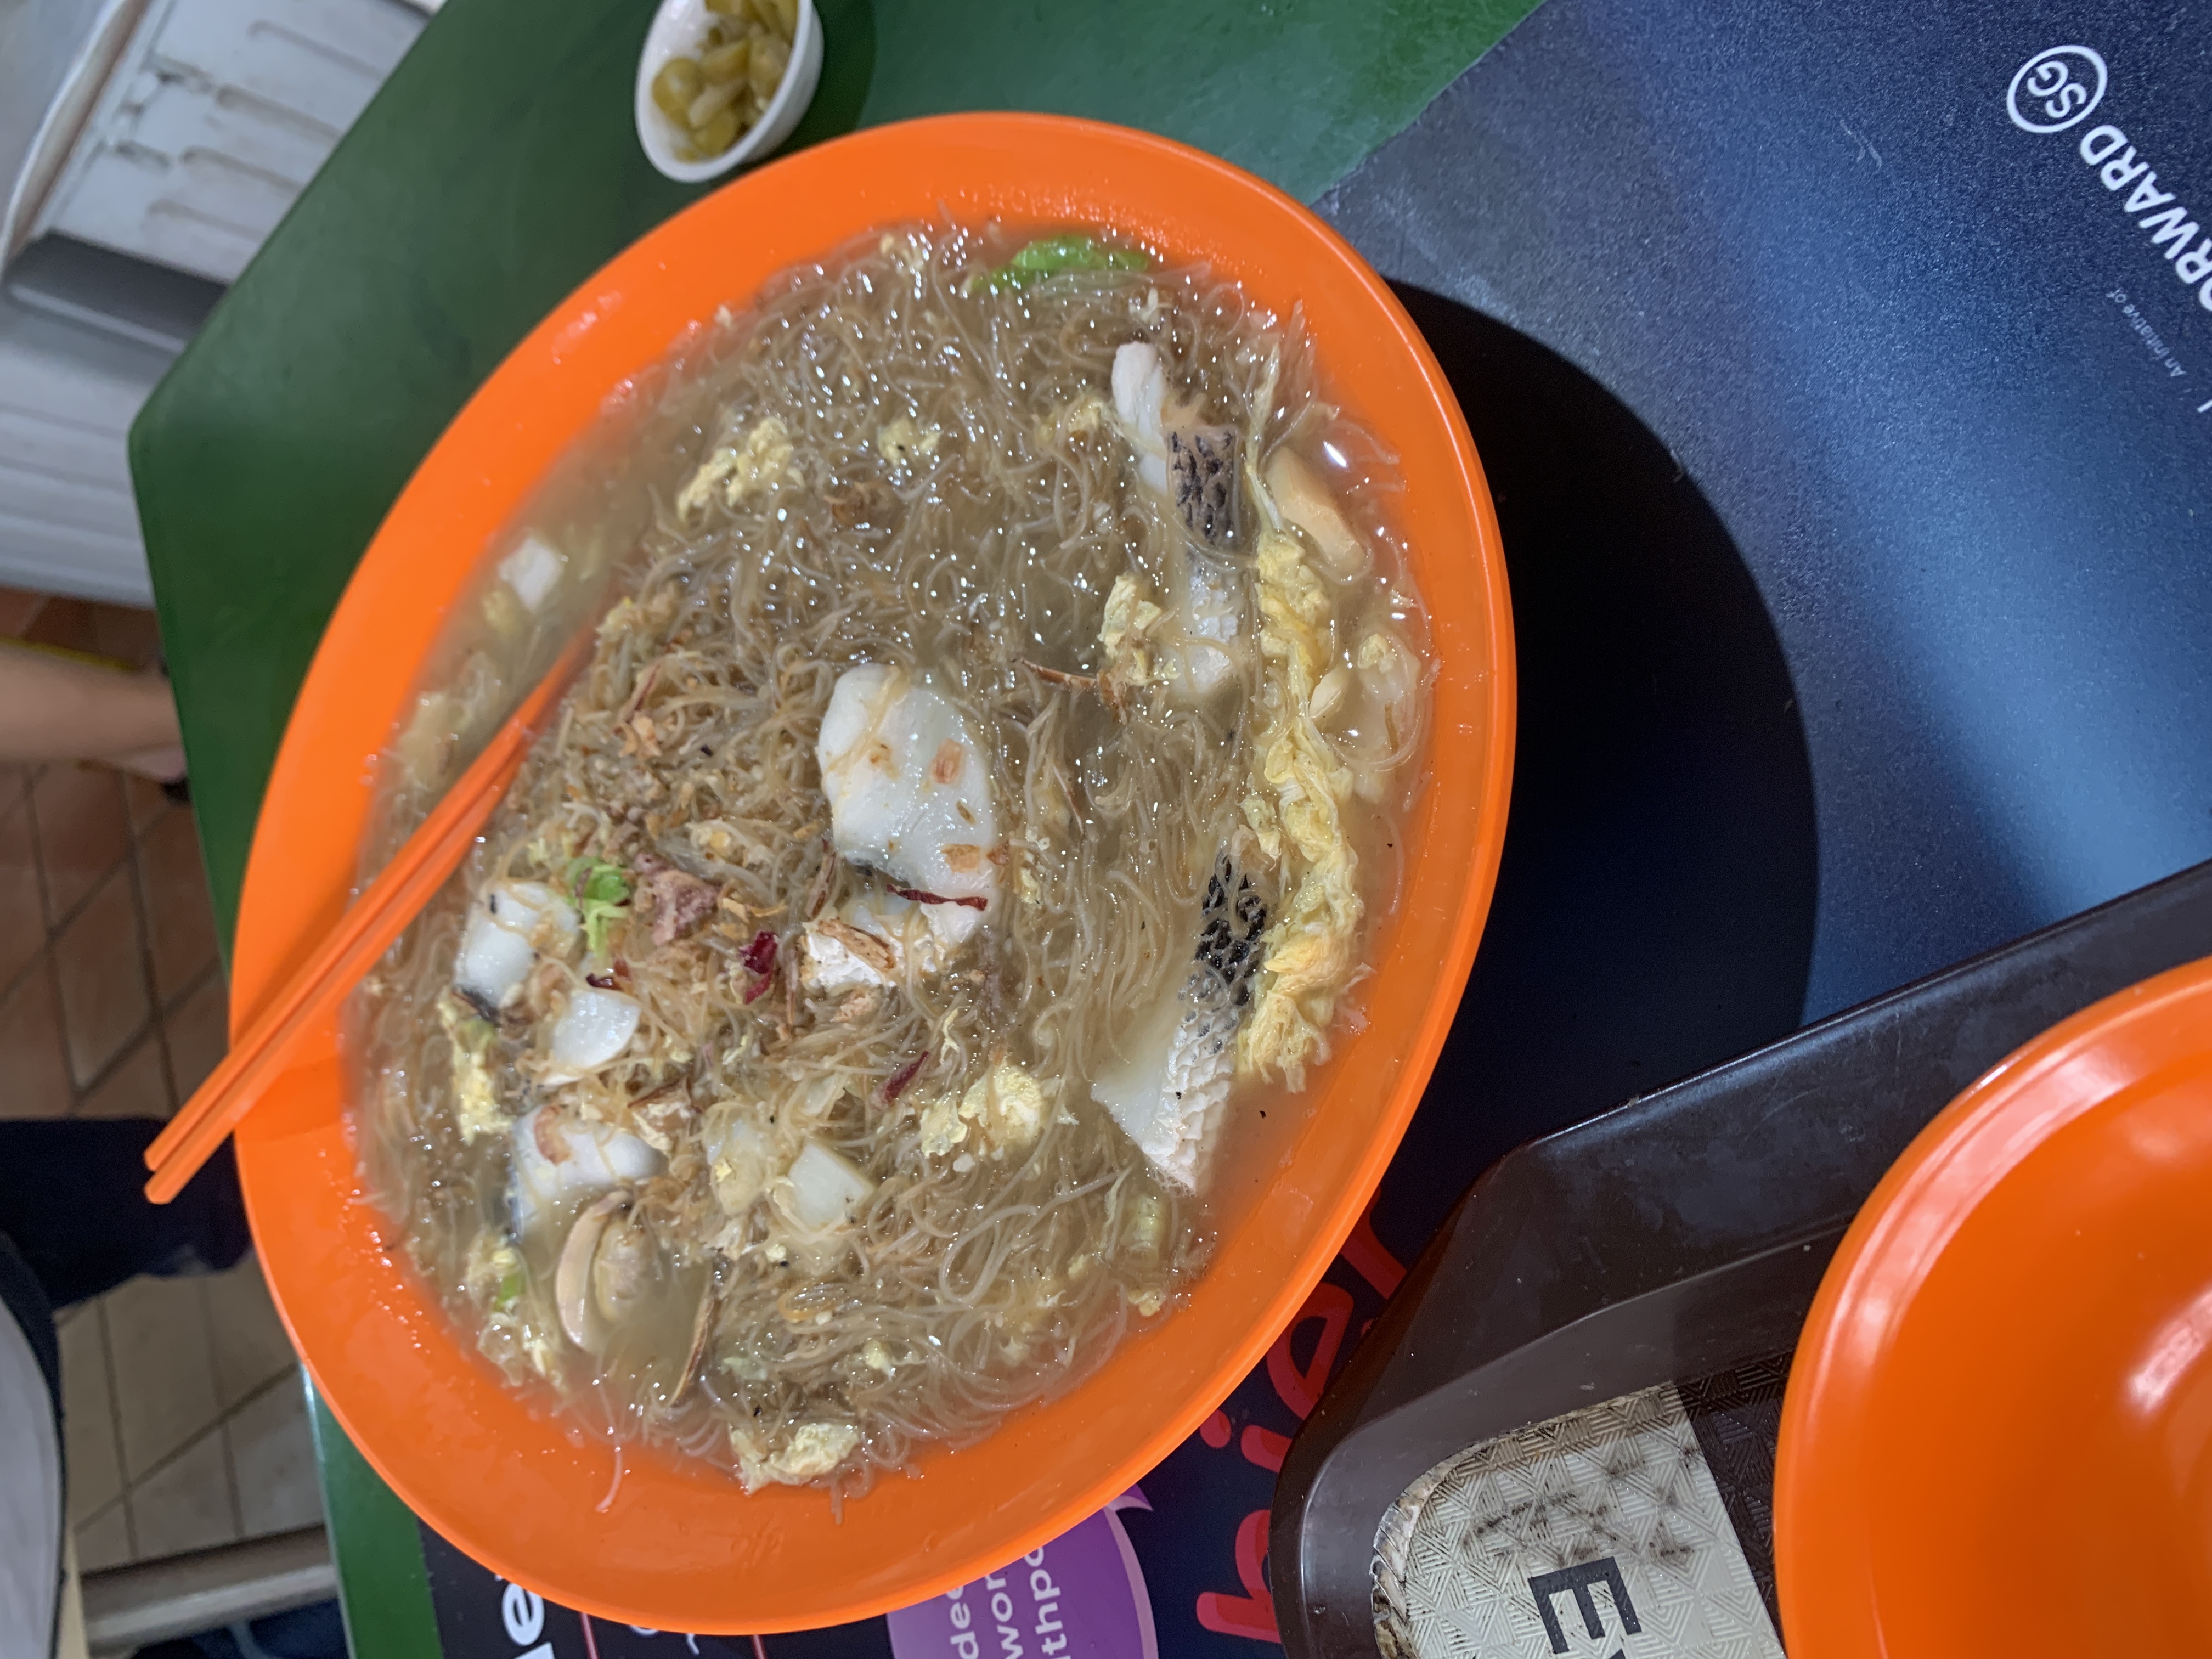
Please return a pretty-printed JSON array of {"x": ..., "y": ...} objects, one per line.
[
  {"x": 1180, "y": 1063},
  {"x": 1202, "y": 474},
  {"x": 1191, "y": 462}
]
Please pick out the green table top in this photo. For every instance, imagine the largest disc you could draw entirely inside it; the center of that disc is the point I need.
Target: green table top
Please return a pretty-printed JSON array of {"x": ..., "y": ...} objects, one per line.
[{"x": 496, "y": 170}]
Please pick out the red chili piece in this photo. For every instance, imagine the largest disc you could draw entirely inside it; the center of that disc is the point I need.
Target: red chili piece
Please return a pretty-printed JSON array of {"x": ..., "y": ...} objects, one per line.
[
  {"x": 759, "y": 959},
  {"x": 904, "y": 1075},
  {"x": 759, "y": 956}
]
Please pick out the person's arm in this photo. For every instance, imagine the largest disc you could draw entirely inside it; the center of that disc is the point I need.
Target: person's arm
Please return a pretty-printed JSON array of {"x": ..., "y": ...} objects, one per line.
[{"x": 55, "y": 708}]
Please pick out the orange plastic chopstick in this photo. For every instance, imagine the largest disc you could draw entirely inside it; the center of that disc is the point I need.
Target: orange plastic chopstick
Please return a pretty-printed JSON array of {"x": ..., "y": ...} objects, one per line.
[{"x": 363, "y": 933}]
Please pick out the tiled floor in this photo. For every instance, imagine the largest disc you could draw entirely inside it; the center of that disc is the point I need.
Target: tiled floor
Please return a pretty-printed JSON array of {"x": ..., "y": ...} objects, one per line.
[
  {"x": 112, "y": 999},
  {"x": 186, "y": 1423},
  {"x": 186, "y": 1420}
]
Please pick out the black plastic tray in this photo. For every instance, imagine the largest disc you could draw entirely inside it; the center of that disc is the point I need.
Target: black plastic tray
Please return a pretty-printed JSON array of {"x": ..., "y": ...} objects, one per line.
[{"x": 1673, "y": 1238}]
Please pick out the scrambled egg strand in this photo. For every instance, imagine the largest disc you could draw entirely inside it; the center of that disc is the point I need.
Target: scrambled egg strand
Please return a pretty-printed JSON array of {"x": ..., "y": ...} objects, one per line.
[
  {"x": 737, "y": 469},
  {"x": 1126, "y": 634},
  {"x": 1295, "y": 811},
  {"x": 476, "y": 1099}
]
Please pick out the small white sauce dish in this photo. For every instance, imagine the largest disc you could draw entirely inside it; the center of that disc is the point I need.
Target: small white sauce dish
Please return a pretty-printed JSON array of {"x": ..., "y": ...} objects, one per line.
[{"x": 678, "y": 28}]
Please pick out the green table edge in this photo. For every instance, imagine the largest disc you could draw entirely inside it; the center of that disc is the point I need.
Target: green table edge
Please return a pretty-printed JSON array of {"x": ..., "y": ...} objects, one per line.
[{"x": 383, "y": 1591}]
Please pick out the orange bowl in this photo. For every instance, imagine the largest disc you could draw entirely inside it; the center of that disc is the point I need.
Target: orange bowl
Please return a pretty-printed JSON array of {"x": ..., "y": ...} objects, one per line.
[
  {"x": 1998, "y": 1438},
  {"x": 684, "y": 1549}
]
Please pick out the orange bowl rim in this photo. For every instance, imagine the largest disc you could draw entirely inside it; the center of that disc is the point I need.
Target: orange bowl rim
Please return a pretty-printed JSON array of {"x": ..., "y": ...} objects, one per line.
[
  {"x": 1824, "y": 1508},
  {"x": 272, "y": 930}
]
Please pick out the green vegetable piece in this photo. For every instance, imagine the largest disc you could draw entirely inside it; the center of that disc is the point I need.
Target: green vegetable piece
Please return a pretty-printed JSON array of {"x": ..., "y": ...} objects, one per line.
[
  {"x": 717, "y": 135},
  {"x": 678, "y": 82},
  {"x": 770, "y": 59},
  {"x": 510, "y": 1292},
  {"x": 709, "y": 104},
  {"x": 726, "y": 63},
  {"x": 1051, "y": 253},
  {"x": 601, "y": 890},
  {"x": 1048, "y": 256}
]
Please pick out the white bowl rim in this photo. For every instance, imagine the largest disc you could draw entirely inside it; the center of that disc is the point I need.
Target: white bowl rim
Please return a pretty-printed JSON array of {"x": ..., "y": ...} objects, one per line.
[{"x": 675, "y": 17}]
